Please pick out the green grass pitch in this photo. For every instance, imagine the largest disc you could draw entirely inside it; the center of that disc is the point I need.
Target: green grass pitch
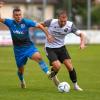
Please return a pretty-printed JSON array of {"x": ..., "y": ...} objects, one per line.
[{"x": 39, "y": 87}]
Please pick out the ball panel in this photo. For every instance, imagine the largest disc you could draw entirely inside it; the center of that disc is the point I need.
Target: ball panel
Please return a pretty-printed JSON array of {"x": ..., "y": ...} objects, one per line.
[{"x": 63, "y": 87}]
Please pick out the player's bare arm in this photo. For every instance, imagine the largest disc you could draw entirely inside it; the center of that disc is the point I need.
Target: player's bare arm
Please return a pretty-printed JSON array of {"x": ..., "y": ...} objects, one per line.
[
  {"x": 2, "y": 20},
  {"x": 82, "y": 40},
  {"x": 81, "y": 35},
  {"x": 43, "y": 24},
  {"x": 1, "y": 5},
  {"x": 49, "y": 37}
]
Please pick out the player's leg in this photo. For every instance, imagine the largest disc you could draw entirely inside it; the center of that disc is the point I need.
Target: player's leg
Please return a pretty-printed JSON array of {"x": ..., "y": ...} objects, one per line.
[
  {"x": 55, "y": 63},
  {"x": 21, "y": 77},
  {"x": 53, "y": 59},
  {"x": 72, "y": 73},
  {"x": 33, "y": 53},
  {"x": 66, "y": 59},
  {"x": 38, "y": 58},
  {"x": 21, "y": 60},
  {"x": 71, "y": 70},
  {"x": 20, "y": 64}
]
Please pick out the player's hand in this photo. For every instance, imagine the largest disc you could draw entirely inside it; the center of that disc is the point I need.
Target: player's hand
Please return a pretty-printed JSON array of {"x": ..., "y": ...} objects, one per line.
[
  {"x": 82, "y": 46},
  {"x": 50, "y": 38},
  {"x": 1, "y": 4}
]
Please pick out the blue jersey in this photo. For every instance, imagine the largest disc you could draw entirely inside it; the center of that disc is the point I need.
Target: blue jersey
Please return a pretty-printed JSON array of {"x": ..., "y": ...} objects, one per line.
[
  {"x": 23, "y": 47},
  {"x": 20, "y": 31}
]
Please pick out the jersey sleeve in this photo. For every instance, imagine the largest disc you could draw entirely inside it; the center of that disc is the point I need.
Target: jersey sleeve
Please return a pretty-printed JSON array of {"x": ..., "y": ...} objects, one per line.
[
  {"x": 32, "y": 23},
  {"x": 7, "y": 22},
  {"x": 47, "y": 22},
  {"x": 75, "y": 30}
]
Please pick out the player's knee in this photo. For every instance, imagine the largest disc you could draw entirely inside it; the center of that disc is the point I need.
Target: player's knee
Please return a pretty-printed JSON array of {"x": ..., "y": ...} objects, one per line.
[
  {"x": 39, "y": 58},
  {"x": 68, "y": 65},
  {"x": 21, "y": 70},
  {"x": 56, "y": 65},
  {"x": 70, "y": 68}
]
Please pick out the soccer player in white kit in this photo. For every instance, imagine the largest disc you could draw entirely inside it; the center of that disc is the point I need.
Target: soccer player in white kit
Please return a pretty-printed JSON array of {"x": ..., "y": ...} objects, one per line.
[{"x": 56, "y": 50}]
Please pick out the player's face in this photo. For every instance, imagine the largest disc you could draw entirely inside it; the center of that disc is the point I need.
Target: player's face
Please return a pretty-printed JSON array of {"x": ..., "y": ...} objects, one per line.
[
  {"x": 17, "y": 15},
  {"x": 62, "y": 20}
]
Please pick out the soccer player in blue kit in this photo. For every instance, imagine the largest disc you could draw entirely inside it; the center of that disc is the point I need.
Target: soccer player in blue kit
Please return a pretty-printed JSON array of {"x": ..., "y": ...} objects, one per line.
[{"x": 22, "y": 45}]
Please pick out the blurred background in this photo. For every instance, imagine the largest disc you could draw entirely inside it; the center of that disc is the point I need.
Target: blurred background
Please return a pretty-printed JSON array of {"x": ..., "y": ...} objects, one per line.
[{"x": 84, "y": 13}]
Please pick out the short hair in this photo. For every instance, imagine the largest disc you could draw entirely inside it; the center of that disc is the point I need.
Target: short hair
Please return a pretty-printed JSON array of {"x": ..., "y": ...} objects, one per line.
[
  {"x": 16, "y": 9},
  {"x": 61, "y": 12}
]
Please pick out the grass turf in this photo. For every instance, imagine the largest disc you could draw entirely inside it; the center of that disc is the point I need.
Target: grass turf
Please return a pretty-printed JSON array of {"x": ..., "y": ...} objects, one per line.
[{"x": 39, "y": 87}]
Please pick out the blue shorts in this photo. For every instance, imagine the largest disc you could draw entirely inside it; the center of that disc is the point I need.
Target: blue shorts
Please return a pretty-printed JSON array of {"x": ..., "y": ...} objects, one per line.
[{"x": 23, "y": 53}]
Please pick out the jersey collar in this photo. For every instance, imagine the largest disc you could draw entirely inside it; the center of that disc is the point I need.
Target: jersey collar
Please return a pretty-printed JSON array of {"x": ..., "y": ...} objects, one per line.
[{"x": 19, "y": 22}]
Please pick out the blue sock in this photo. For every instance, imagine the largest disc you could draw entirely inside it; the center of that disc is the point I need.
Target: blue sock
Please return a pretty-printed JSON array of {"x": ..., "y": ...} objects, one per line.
[
  {"x": 43, "y": 66},
  {"x": 20, "y": 76}
]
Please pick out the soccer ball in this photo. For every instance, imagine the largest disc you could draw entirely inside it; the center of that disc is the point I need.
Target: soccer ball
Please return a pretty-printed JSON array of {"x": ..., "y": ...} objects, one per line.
[{"x": 63, "y": 87}]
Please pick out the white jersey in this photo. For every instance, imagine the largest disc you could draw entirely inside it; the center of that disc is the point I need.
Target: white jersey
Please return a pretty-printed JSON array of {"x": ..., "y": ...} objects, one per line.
[{"x": 59, "y": 33}]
